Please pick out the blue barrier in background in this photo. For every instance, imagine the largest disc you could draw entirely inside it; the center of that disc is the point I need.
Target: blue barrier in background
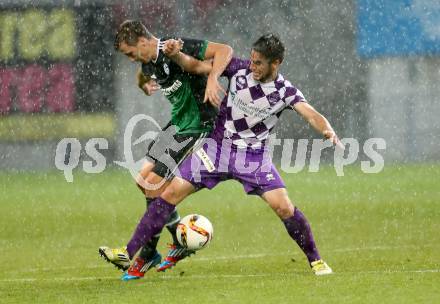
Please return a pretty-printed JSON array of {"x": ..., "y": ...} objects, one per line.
[{"x": 398, "y": 27}]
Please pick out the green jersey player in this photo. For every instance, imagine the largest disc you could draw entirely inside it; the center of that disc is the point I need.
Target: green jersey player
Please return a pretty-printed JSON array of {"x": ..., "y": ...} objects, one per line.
[{"x": 193, "y": 101}]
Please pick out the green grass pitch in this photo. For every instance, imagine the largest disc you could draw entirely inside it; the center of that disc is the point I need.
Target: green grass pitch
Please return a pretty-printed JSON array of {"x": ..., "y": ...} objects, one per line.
[{"x": 379, "y": 232}]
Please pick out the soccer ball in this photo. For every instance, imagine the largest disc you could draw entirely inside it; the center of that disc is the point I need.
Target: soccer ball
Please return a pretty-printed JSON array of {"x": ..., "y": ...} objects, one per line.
[{"x": 194, "y": 231}]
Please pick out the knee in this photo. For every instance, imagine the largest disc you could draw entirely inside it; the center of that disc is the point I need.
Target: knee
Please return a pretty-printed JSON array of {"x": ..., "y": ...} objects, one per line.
[
  {"x": 177, "y": 191},
  {"x": 285, "y": 210},
  {"x": 153, "y": 186},
  {"x": 170, "y": 194},
  {"x": 280, "y": 202}
]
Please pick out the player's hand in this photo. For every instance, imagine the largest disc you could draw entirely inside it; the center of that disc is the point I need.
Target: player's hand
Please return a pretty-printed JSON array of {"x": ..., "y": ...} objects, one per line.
[
  {"x": 330, "y": 134},
  {"x": 150, "y": 87},
  {"x": 213, "y": 88},
  {"x": 172, "y": 47}
]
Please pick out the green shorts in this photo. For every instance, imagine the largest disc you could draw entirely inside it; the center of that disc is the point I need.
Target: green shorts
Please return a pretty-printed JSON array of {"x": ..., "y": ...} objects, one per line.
[{"x": 165, "y": 159}]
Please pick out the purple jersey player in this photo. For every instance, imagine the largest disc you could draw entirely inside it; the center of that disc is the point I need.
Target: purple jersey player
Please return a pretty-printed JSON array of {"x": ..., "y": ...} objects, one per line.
[{"x": 236, "y": 149}]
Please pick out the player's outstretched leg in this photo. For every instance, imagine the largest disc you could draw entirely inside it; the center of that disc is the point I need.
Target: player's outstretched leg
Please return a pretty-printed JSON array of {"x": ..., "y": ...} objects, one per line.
[
  {"x": 177, "y": 252},
  {"x": 151, "y": 224},
  {"x": 119, "y": 256},
  {"x": 153, "y": 221},
  {"x": 148, "y": 256},
  {"x": 298, "y": 228}
]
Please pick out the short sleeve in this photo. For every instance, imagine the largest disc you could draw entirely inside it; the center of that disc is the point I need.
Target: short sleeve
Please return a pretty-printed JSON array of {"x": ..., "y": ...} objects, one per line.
[
  {"x": 234, "y": 65},
  {"x": 195, "y": 48},
  {"x": 292, "y": 96}
]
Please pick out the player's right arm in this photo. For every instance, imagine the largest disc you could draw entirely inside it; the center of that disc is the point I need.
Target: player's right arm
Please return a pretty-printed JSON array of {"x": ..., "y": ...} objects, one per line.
[
  {"x": 192, "y": 65},
  {"x": 220, "y": 54},
  {"x": 146, "y": 83},
  {"x": 187, "y": 63}
]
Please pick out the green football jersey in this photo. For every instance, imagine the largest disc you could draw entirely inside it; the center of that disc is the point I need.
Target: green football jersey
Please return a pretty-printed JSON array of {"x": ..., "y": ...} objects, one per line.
[{"x": 184, "y": 91}]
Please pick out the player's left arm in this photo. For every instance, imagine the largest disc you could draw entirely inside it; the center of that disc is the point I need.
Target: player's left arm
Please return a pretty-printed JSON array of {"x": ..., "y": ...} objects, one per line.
[
  {"x": 146, "y": 83},
  {"x": 317, "y": 121}
]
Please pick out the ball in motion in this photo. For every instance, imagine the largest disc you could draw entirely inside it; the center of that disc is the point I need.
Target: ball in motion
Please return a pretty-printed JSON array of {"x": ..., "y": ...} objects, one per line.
[{"x": 194, "y": 231}]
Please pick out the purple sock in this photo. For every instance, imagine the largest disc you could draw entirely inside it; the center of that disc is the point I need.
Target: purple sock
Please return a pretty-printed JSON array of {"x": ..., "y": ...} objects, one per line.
[
  {"x": 151, "y": 224},
  {"x": 299, "y": 229}
]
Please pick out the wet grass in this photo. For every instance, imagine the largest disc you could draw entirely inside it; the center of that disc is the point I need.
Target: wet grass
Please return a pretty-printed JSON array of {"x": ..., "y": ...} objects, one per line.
[{"x": 379, "y": 233}]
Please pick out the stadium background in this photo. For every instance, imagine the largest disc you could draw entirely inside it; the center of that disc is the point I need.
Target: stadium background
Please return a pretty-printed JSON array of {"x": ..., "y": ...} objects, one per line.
[
  {"x": 370, "y": 66},
  {"x": 386, "y": 91}
]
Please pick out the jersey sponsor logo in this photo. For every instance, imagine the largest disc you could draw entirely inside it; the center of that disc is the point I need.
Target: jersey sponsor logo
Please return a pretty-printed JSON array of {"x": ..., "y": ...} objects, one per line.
[
  {"x": 173, "y": 88},
  {"x": 166, "y": 69},
  {"x": 248, "y": 108}
]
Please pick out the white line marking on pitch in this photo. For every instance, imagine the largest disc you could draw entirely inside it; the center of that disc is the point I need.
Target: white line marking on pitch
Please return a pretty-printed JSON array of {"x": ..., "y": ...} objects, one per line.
[
  {"x": 220, "y": 276},
  {"x": 219, "y": 258},
  {"x": 380, "y": 248}
]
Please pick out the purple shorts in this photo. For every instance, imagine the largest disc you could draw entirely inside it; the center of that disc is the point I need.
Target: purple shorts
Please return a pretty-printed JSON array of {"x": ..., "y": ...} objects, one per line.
[{"x": 215, "y": 162}]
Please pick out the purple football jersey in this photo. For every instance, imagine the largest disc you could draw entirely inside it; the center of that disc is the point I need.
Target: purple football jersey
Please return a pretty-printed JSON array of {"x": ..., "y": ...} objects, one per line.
[{"x": 251, "y": 108}]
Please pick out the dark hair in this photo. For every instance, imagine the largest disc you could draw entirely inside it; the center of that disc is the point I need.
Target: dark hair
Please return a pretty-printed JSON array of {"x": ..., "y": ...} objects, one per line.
[
  {"x": 129, "y": 32},
  {"x": 270, "y": 46}
]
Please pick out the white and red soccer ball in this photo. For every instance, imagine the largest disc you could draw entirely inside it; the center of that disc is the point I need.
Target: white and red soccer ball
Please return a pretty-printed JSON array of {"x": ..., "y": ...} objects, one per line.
[{"x": 194, "y": 231}]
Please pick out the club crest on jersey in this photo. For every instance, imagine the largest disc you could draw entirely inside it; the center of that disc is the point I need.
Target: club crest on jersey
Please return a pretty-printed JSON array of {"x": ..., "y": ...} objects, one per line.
[
  {"x": 166, "y": 69},
  {"x": 240, "y": 82}
]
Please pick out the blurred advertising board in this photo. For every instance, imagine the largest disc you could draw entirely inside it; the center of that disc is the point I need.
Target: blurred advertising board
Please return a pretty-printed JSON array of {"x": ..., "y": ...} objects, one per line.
[{"x": 56, "y": 71}]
